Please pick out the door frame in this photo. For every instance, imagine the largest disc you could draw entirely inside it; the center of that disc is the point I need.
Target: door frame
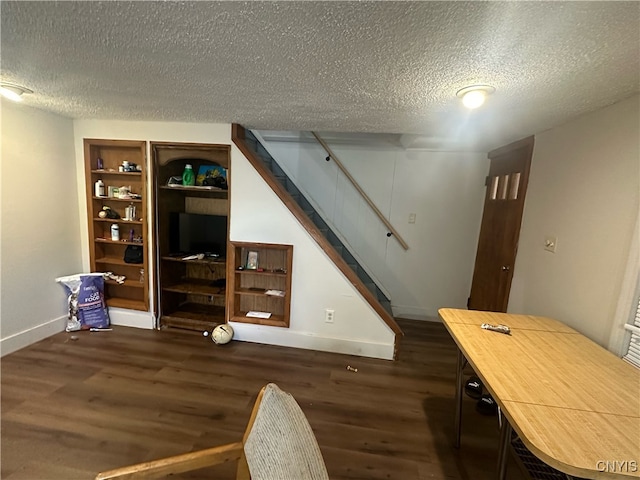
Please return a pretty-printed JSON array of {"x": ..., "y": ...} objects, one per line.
[{"x": 496, "y": 155}]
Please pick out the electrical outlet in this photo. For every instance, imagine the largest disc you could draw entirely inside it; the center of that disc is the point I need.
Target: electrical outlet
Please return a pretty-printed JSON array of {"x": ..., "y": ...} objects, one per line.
[
  {"x": 412, "y": 218},
  {"x": 328, "y": 315}
]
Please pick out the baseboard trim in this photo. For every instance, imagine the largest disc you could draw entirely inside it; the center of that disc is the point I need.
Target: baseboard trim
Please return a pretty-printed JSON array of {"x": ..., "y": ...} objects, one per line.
[
  {"x": 308, "y": 341},
  {"x": 413, "y": 313},
  {"x": 32, "y": 335},
  {"x": 117, "y": 316},
  {"x": 131, "y": 318}
]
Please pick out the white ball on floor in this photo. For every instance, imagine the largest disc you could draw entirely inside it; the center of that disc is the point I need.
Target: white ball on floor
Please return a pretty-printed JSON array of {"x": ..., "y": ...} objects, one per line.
[
  {"x": 205, "y": 333},
  {"x": 222, "y": 334}
]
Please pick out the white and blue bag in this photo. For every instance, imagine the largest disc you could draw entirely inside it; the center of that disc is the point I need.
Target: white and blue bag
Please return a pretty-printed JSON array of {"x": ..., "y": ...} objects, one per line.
[{"x": 87, "y": 305}]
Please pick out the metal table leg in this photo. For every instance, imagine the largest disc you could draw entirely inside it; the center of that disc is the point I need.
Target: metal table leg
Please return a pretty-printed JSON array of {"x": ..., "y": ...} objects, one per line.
[
  {"x": 503, "y": 448},
  {"x": 461, "y": 363}
]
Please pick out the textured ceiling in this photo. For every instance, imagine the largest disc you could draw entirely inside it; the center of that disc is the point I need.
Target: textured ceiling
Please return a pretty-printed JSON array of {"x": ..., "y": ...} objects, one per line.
[{"x": 386, "y": 67}]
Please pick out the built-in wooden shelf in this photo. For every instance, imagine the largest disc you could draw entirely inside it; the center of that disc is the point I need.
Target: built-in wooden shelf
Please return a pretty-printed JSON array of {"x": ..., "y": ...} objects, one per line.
[
  {"x": 194, "y": 316},
  {"x": 262, "y": 273},
  {"x": 119, "y": 221},
  {"x": 187, "y": 297},
  {"x": 196, "y": 286},
  {"x": 272, "y": 321},
  {"x": 247, "y": 287},
  {"x": 116, "y": 172},
  {"x": 126, "y": 303},
  {"x": 117, "y": 242},
  {"x": 118, "y": 261},
  {"x": 206, "y": 192},
  {"x": 204, "y": 261},
  {"x": 117, "y": 199},
  {"x": 106, "y": 254},
  {"x": 129, "y": 283}
]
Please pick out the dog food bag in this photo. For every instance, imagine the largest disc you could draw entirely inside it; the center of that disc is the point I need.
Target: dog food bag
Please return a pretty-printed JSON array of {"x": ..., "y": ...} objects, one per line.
[{"x": 87, "y": 306}]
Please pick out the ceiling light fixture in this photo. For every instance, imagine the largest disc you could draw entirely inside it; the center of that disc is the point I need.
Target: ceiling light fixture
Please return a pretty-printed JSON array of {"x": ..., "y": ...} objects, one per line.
[
  {"x": 12, "y": 91},
  {"x": 474, "y": 95}
]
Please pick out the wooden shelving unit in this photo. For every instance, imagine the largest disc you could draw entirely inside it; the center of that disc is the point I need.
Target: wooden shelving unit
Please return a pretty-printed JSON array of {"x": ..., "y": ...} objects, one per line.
[
  {"x": 205, "y": 192},
  {"x": 247, "y": 288},
  {"x": 107, "y": 255},
  {"x": 190, "y": 293}
]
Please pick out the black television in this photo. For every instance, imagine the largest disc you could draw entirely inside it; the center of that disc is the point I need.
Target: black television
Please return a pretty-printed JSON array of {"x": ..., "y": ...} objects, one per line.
[{"x": 191, "y": 233}]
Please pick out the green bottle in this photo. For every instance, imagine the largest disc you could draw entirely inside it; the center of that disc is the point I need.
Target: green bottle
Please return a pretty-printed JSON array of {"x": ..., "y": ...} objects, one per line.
[{"x": 188, "y": 178}]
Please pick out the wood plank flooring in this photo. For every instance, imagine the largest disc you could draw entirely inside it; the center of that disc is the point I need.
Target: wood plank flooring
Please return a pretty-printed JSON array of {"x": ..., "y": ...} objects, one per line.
[{"x": 73, "y": 408}]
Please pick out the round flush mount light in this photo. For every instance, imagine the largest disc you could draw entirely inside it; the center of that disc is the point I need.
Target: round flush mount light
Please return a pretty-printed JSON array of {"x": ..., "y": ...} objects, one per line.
[
  {"x": 474, "y": 95},
  {"x": 12, "y": 91}
]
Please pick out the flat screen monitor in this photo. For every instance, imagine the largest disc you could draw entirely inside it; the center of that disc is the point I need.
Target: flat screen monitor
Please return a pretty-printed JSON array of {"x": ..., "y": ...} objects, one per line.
[{"x": 192, "y": 233}]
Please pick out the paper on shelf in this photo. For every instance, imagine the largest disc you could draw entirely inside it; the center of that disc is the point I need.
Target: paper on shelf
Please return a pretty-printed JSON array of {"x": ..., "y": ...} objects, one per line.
[
  {"x": 276, "y": 293},
  {"x": 258, "y": 314}
]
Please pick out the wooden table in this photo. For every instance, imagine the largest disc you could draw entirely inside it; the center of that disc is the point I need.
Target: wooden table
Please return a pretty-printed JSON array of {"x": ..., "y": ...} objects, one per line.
[{"x": 575, "y": 405}]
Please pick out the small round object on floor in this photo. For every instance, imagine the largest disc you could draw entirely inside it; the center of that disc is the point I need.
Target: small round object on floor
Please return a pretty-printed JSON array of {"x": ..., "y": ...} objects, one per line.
[
  {"x": 205, "y": 333},
  {"x": 222, "y": 334},
  {"x": 487, "y": 405},
  {"x": 473, "y": 387}
]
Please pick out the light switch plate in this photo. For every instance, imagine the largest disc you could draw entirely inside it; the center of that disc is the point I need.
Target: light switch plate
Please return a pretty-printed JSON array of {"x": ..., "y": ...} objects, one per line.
[{"x": 550, "y": 243}]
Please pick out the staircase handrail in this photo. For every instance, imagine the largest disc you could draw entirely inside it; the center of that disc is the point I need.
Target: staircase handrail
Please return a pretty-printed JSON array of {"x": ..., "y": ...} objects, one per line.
[{"x": 363, "y": 194}]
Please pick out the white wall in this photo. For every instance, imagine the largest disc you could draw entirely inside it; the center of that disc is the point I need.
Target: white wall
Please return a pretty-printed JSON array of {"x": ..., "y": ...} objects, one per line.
[
  {"x": 583, "y": 188},
  {"x": 40, "y": 231},
  {"x": 258, "y": 215},
  {"x": 444, "y": 189}
]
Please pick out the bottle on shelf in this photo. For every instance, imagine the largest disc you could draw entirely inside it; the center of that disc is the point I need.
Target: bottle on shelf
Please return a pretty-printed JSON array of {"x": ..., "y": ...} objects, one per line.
[
  {"x": 130, "y": 212},
  {"x": 188, "y": 178},
  {"x": 99, "y": 188},
  {"x": 115, "y": 232}
]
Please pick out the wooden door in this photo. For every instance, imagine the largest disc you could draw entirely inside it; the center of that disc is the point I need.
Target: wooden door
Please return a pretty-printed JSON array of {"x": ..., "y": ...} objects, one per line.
[{"x": 500, "y": 228}]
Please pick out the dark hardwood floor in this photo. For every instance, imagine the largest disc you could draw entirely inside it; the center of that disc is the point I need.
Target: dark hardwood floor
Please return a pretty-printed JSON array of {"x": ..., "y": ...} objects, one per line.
[{"x": 72, "y": 408}]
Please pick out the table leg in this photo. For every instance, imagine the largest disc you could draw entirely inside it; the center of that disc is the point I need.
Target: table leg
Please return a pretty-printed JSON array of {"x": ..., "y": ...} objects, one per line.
[
  {"x": 503, "y": 448},
  {"x": 461, "y": 363}
]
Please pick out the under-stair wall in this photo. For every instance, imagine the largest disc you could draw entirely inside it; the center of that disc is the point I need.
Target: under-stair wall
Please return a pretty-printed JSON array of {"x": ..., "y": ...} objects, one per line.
[{"x": 314, "y": 223}]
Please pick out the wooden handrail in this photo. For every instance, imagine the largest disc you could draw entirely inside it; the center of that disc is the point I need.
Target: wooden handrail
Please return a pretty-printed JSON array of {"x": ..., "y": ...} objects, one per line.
[{"x": 362, "y": 192}]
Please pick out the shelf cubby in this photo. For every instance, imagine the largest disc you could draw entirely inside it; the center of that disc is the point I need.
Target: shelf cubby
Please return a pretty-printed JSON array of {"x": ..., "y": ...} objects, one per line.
[{"x": 247, "y": 287}]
